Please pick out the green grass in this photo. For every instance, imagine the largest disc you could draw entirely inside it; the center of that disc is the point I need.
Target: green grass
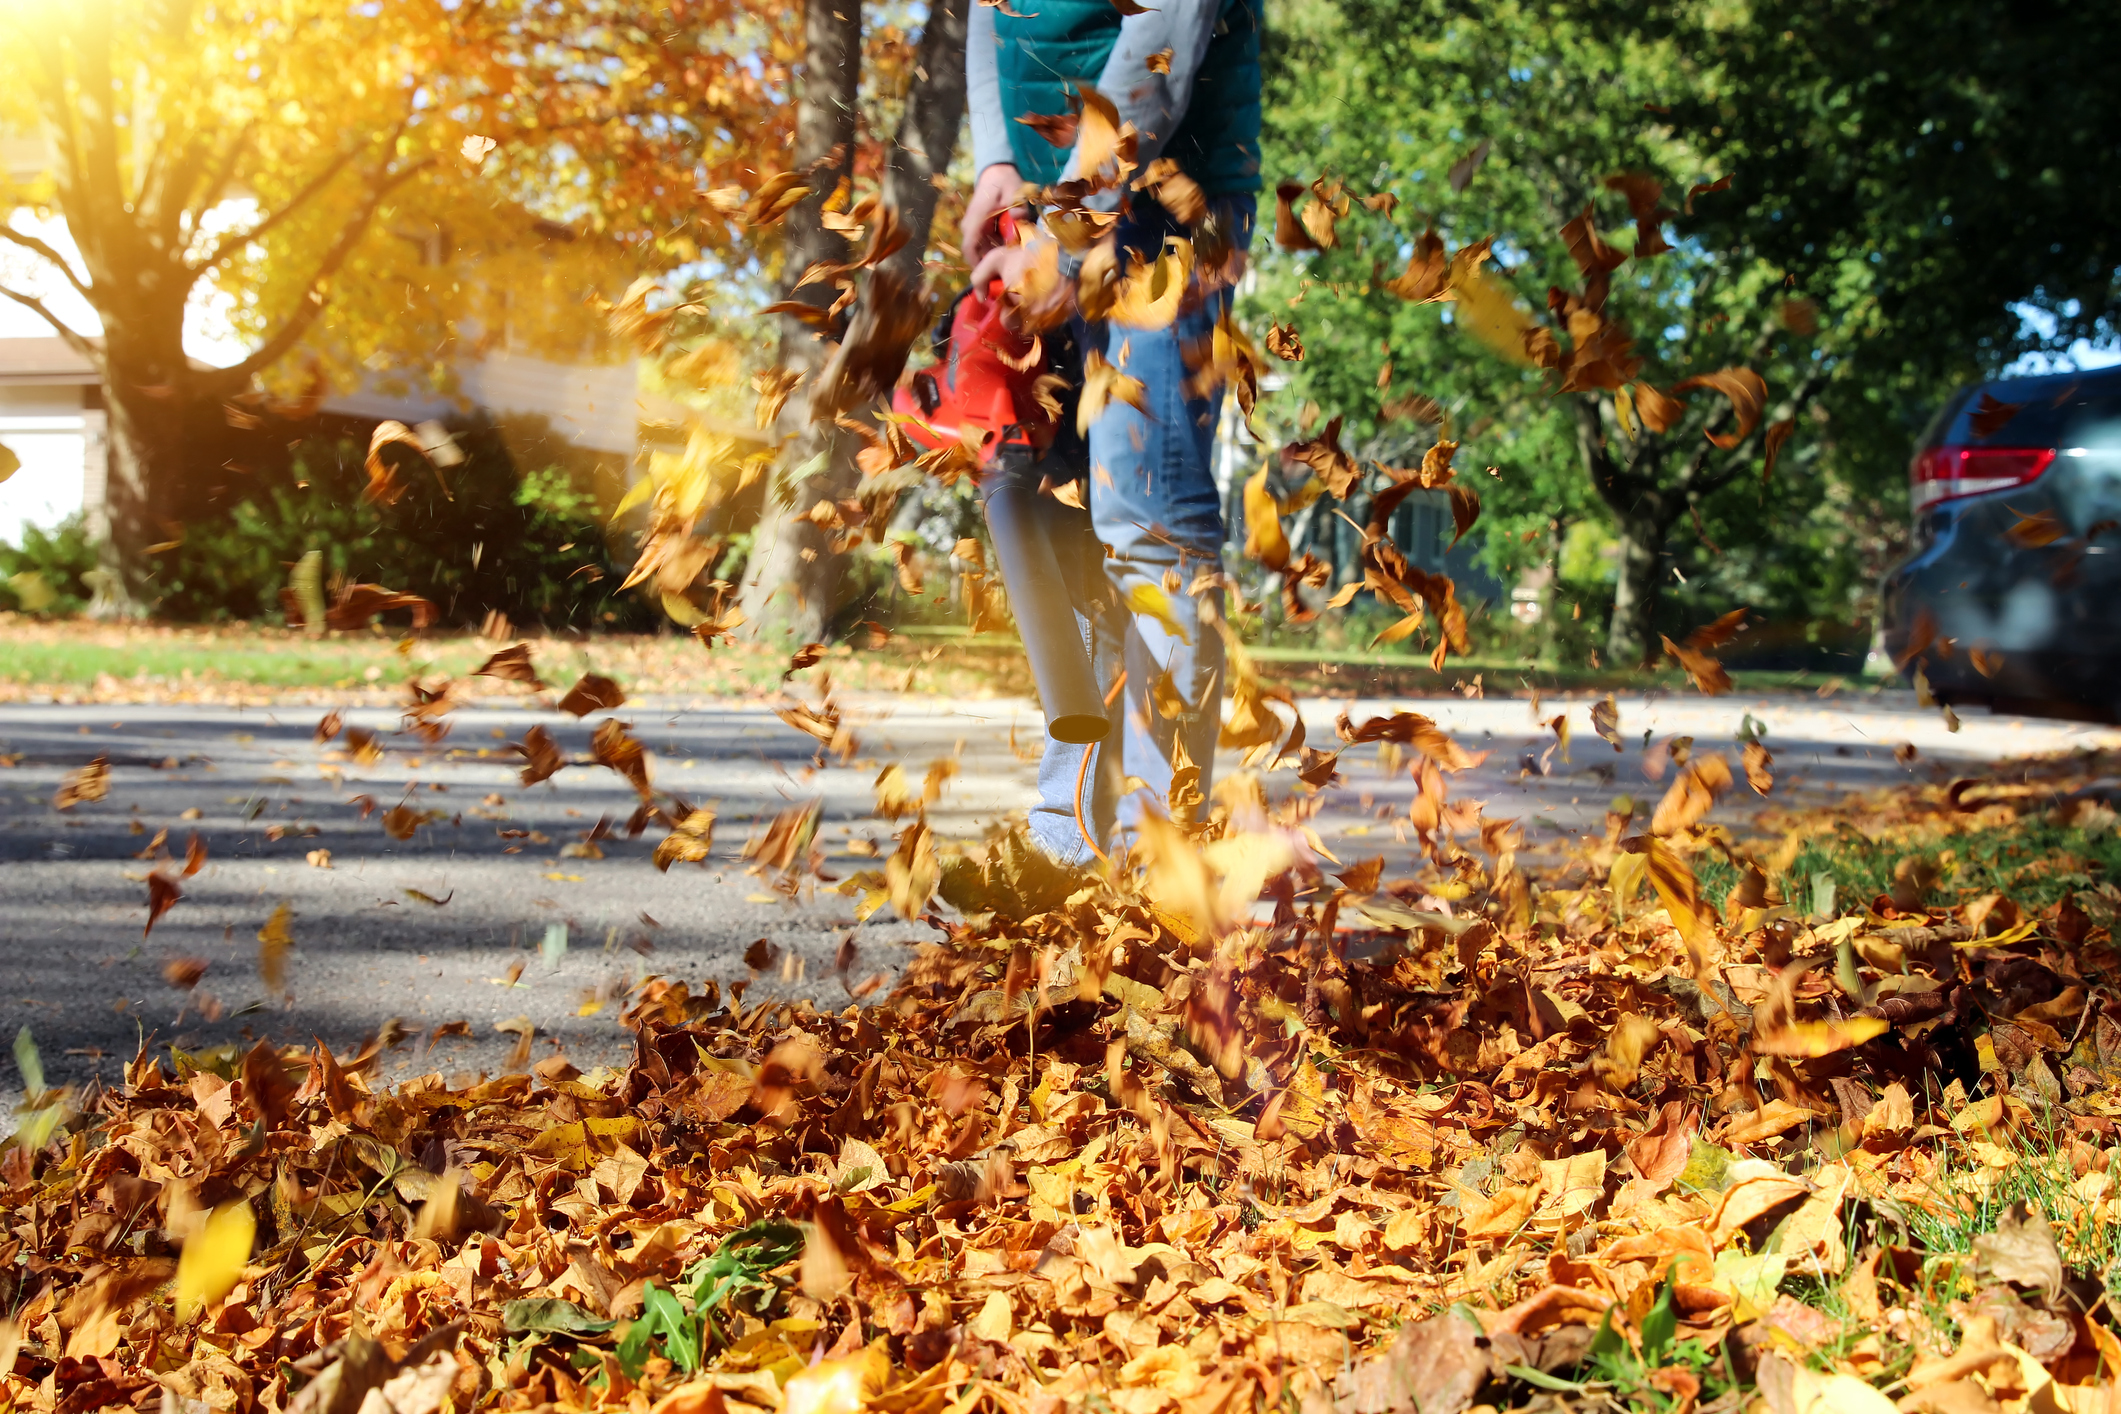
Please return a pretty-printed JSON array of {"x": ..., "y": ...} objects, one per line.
[
  {"x": 265, "y": 665},
  {"x": 2033, "y": 861}
]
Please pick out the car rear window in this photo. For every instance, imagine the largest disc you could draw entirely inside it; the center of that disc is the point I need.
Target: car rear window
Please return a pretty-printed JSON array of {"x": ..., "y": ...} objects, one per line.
[{"x": 2058, "y": 410}]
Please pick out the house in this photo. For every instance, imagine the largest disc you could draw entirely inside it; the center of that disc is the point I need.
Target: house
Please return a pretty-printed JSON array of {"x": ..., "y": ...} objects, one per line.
[{"x": 52, "y": 418}]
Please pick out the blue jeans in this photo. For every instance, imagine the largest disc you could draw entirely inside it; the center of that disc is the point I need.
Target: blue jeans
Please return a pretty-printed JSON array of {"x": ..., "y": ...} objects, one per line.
[{"x": 1155, "y": 509}]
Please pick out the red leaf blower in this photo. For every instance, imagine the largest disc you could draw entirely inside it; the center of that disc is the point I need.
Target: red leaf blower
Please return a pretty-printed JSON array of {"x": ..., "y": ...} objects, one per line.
[{"x": 982, "y": 391}]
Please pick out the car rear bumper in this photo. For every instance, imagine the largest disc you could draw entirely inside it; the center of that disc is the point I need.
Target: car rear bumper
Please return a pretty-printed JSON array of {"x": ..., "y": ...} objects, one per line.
[{"x": 2045, "y": 619}]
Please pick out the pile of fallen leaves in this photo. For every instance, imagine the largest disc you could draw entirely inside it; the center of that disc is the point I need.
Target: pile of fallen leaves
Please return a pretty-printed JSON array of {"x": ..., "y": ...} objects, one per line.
[{"x": 1229, "y": 1125}]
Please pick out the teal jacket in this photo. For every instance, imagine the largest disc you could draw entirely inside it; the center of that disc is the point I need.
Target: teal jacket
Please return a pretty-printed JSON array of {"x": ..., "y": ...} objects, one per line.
[{"x": 1204, "y": 112}]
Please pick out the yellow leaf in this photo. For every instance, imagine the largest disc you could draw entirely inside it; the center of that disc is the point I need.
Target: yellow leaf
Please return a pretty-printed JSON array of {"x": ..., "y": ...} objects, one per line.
[
  {"x": 1818, "y": 1038},
  {"x": 1151, "y": 600},
  {"x": 1626, "y": 879},
  {"x": 274, "y": 939},
  {"x": 844, "y": 1386},
  {"x": 212, "y": 1262},
  {"x": 1264, "y": 539},
  {"x": 1487, "y": 311}
]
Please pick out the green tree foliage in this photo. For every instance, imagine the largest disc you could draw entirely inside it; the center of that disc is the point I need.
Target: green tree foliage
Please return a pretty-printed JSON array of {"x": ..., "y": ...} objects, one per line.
[
  {"x": 1943, "y": 161},
  {"x": 1510, "y": 121},
  {"x": 522, "y": 537}
]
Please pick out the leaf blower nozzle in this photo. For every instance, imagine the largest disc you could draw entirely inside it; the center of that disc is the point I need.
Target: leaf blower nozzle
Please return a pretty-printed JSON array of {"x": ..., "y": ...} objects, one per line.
[{"x": 982, "y": 393}]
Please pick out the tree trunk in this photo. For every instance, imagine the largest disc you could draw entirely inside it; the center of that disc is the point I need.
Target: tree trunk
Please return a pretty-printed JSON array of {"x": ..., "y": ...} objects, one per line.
[
  {"x": 791, "y": 584},
  {"x": 927, "y": 133},
  {"x": 797, "y": 580},
  {"x": 149, "y": 393},
  {"x": 1631, "y": 638}
]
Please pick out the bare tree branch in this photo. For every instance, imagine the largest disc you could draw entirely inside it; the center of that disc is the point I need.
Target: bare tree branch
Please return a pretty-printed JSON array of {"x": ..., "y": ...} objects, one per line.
[
  {"x": 312, "y": 303},
  {"x": 308, "y": 192},
  {"x": 38, "y": 247},
  {"x": 76, "y": 341}
]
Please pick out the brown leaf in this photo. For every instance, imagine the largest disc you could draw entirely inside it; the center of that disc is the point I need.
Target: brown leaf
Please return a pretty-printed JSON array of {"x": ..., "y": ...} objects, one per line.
[
  {"x": 194, "y": 854},
  {"x": 592, "y": 693},
  {"x": 2021, "y": 1251},
  {"x": 1747, "y": 391},
  {"x": 774, "y": 199},
  {"x": 511, "y": 665},
  {"x": 1708, "y": 674},
  {"x": 2031, "y": 532},
  {"x": 184, "y": 973},
  {"x": 1658, "y": 412},
  {"x": 1285, "y": 343},
  {"x": 1413, "y": 729},
  {"x": 1992, "y": 415},
  {"x": 1718, "y": 631},
  {"x": 1692, "y": 794},
  {"x": 1759, "y": 768},
  {"x": 1605, "y": 720},
  {"x": 358, "y": 603},
  {"x": 1434, "y": 1366},
  {"x": 1587, "y": 248},
  {"x": 1461, "y": 174},
  {"x": 1325, "y": 456},
  {"x": 1465, "y": 510},
  {"x": 1427, "y": 277},
  {"x": 1289, "y": 233},
  {"x": 1777, "y": 434},
  {"x": 1703, "y": 189},
  {"x": 616, "y": 747},
  {"x": 1056, "y": 128},
  {"x": 1159, "y": 62},
  {"x": 162, "y": 895},
  {"x": 84, "y": 783},
  {"x": 540, "y": 753}
]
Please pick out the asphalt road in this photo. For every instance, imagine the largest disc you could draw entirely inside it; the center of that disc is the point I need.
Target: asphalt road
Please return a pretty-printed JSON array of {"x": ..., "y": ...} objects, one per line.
[{"x": 515, "y": 924}]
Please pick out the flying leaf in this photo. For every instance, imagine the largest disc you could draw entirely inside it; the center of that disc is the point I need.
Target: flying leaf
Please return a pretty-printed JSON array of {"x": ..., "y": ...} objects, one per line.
[
  {"x": 2031, "y": 532},
  {"x": 274, "y": 939},
  {"x": 1703, "y": 189},
  {"x": 1285, "y": 343},
  {"x": 511, "y": 665},
  {"x": 1145, "y": 598},
  {"x": 1264, "y": 538},
  {"x": 213, "y": 1260},
  {"x": 89, "y": 782},
  {"x": 1104, "y": 384},
  {"x": 162, "y": 895},
  {"x": 358, "y": 603},
  {"x": 476, "y": 148},
  {"x": 1747, "y": 392},
  {"x": 1587, "y": 248},
  {"x": 1159, "y": 62},
  {"x": 1777, "y": 434},
  {"x": 774, "y": 199},
  {"x": 1605, "y": 720},
  {"x": 1487, "y": 310},
  {"x": 592, "y": 693},
  {"x": 1692, "y": 794},
  {"x": 1992, "y": 415},
  {"x": 1427, "y": 277},
  {"x": 1461, "y": 173},
  {"x": 1289, "y": 233},
  {"x": 1325, "y": 456},
  {"x": 1465, "y": 510}
]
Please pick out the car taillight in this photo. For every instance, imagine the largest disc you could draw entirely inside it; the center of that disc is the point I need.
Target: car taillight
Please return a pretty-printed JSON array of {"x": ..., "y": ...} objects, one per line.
[{"x": 1946, "y": 473}]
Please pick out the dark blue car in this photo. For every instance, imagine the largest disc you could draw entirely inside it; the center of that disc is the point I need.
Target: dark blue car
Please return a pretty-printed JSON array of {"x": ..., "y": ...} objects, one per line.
[{"x": 2012, "y": 593}]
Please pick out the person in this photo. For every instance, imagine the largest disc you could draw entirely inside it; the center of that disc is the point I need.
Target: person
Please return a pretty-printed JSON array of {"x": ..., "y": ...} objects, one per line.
[{"x": 1187, "y": 77}]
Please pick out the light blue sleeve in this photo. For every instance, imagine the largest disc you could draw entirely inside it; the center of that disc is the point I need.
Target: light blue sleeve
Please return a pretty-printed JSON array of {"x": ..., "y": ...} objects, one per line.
[{"x": 983, "y": 92}]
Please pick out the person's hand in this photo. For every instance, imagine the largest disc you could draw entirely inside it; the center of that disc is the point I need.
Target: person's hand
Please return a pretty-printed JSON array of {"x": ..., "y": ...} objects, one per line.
[
  {"x": 994, "y": 190},
  {"x": 1035, "y": 296}
]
